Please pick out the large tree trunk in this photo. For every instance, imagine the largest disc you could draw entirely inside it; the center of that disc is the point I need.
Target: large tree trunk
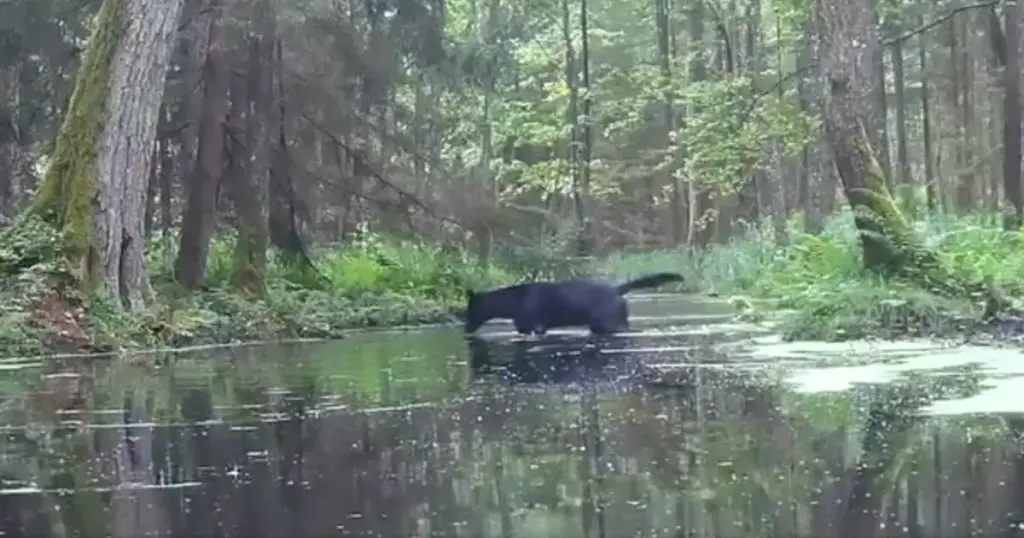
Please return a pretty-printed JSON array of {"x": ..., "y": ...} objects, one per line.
[
  {"x": 849, "y": 42},
  {"x": 95, "y": 186}
]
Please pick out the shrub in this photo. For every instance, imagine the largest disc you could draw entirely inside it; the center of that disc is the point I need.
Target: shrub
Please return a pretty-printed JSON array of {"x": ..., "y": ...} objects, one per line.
[{"x": 822, "y": 280}]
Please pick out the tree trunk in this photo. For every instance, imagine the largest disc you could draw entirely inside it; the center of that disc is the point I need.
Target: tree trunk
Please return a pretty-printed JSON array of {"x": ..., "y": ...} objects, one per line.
[
  {"x": 966, "y": 188},
  {"x": 878, "y": 129},
  {"x": 700, "y": 203},
  {"x": 95, "y": 186},
  {"x": 250, "y": 190},
  {"x": 585, "y": 238},
  {"x": 282, "y": 213},
  {"x": 902, "y": 155},
  {"x": 154, "y": 177},
  {"x": 803, "y": 187},
  {"x": 848, "y": 41},
  {"x": 1012, "y": 118},
  {"x": 193, "y": 43},
  {"x": 200, "y": 219},
  {"x": 926, "y": 126}
]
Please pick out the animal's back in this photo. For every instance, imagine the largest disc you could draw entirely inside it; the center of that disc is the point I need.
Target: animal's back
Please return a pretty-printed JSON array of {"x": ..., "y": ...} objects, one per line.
[{"x": 574, "y": 303}]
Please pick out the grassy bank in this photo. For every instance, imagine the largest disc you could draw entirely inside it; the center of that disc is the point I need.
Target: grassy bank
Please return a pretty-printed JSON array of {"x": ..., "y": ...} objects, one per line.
[
  {"x": 371, "y": 284},
  {"x": 822, "y": 280},
  {"x": 377, "y": 283}
]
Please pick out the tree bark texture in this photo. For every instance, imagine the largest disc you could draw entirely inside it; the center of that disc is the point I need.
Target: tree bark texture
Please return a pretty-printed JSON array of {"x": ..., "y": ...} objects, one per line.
[
  {"x": 251, "y": 189},
  {"x": 125, "y": 144},
  {"x": 849, "y": 46},
  {"x": 200, "y": 222},
  {"x": 889, "y": 244},
  {"x": 95, "y": 186},
  {"x": 1012, "y": 117}
]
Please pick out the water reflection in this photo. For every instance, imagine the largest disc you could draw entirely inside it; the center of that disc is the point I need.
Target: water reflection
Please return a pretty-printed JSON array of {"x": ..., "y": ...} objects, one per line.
[
  {"x": 396, "y": 436},
  {"x": 558, "y": 360}
]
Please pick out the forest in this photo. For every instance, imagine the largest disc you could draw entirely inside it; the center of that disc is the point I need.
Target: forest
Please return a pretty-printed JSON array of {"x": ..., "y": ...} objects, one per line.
[{"x": 178, "y": 172}]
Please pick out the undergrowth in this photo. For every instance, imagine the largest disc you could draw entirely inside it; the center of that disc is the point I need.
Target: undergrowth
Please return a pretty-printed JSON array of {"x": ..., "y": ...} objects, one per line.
[
  {"x": 817, "y": 281},
  {"x": 372, "y": 283},
  {"x": 826, "y": 294}
]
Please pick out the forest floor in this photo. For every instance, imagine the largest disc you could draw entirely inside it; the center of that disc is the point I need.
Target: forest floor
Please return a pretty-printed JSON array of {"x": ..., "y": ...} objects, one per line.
[{"x": 817, "y": 279}]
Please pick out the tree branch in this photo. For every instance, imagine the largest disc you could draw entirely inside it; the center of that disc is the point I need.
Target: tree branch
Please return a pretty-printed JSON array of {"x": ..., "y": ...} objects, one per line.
[
  {"x": 884, "y": 43},
  {"x": 377, "y": 175},
  {"x": 928, "y": 26}
]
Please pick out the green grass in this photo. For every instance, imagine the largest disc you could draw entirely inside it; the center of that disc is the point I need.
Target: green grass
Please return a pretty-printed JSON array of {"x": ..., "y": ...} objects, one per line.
[
  {"x": 817, "y": 279},
  {"x": 371, "y": 283},
  {"x": 822, "y": 280}
]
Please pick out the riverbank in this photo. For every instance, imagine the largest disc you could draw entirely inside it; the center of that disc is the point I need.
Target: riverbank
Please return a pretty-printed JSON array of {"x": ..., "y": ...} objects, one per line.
[
  {"x": 372, "y": 284},
  {"x": 63, "y": 323},
  {"x": 818, "y": 280}
]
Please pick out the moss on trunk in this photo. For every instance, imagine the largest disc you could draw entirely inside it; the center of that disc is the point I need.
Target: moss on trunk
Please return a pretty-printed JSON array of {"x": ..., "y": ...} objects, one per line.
[
  {"x": 250, "y": 271},
  {"x": 67, "y": 190},
  {"x": 891, "y": 246}
]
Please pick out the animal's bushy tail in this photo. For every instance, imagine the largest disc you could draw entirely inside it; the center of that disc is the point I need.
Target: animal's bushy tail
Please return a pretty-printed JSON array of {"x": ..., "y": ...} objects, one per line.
[{"x": 652, "y": 280}]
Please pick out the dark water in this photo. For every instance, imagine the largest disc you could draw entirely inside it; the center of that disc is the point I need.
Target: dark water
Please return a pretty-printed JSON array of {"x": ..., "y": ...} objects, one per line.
[{"x": 684, "y": 428}]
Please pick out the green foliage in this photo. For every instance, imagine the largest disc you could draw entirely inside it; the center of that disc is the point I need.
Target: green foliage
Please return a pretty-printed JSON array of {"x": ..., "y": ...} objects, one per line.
[
  {"x": 820, "y": 282},
  {"x": 31, "y": 263},
  {"x": 32, "y": 244},
  {"x": 725, "y": 141},
  {"x": 735, "y": 266},
  {"x": 373, "y": 283},
  {"x": 66, "y": 191},
  {"x": 520, "y": 93}
]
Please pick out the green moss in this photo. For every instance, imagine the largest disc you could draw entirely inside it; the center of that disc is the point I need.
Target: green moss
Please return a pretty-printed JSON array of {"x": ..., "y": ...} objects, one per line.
[
  {"x": 250, "y": 271},
  {"x": 897, "y": 249},
  {"x": 68, "y": 188}
]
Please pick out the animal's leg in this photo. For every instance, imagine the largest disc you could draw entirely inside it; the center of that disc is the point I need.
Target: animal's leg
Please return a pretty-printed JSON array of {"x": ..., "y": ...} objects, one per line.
[
  {"x": 601, "y": 323},
  {"x": 610, "y": 318},
  {"x": 623, "y": 315},
  {"x": 527, "y": 320},
  {"x": 526, "y": 323},
  {"x": 522, "y": 325}
]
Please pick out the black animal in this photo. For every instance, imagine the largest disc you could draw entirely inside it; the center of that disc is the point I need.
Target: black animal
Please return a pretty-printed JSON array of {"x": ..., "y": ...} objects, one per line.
[{"x": 539, "y": 306}]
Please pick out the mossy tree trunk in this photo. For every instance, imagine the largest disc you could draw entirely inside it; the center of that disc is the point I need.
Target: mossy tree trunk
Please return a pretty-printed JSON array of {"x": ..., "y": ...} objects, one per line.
[
  {"x": 849, "y": 43},
  {"x": 95, "y": 186}
]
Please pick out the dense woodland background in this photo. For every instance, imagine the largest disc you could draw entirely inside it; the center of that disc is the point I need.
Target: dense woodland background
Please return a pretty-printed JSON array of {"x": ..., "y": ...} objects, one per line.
[
  {"x": 519, "y": 126},
  {"x": 584, "y": 126}
]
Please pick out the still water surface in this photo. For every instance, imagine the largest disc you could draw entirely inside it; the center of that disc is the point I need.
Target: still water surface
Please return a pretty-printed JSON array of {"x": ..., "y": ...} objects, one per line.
[{"x": 692, "y": 425}]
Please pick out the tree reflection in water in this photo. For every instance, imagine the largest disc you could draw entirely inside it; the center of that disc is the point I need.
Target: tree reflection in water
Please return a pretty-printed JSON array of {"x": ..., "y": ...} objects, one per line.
[{"x": 544, "y": 438}]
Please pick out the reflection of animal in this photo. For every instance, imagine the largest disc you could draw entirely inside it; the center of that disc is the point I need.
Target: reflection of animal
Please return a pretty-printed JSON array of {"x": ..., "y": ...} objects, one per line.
[
  {"x": 539, "y": 306},
  {"x": 521, "y": 362}
]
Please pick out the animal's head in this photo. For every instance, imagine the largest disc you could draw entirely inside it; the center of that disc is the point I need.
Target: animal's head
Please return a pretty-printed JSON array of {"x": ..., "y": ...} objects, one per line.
[{"x": 474, "y": 311}]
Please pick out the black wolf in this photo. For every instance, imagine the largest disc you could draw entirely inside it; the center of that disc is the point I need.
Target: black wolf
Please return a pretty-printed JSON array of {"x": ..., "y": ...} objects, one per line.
[{"x": 539, "y": 306}]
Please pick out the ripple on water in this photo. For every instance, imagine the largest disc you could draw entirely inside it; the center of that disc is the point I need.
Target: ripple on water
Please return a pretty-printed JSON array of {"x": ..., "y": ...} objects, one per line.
[{"x": 394, "y": 434}]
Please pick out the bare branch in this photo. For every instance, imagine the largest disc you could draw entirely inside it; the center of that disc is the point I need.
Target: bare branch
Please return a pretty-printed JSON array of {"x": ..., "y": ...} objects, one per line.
[{"x": 377, "y": 175}]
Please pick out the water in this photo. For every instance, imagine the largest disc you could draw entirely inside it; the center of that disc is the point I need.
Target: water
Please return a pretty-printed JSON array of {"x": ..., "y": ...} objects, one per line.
[{"x": 692, "y": 425}]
